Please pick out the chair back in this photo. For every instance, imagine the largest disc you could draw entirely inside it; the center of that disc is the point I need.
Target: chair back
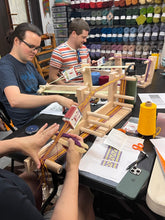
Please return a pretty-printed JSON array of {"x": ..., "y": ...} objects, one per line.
[{"x": 42, "y": 59}]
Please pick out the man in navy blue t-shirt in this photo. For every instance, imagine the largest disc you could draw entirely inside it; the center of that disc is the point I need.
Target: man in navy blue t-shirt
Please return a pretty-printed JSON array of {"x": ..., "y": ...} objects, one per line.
[{"x": 20, "y": 80}]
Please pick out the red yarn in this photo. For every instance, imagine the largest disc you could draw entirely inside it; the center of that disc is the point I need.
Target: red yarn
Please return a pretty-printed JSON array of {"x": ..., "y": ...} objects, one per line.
[
  {"x": 105, "y": 4},
  {"x": 122, "y": 3},
  {"x": 82, "y": 5},
  {"x": 87, "y": 5},
  {"x": 110, "y": 3},
  {"x": 103, "y": 80},
  {"x": 99, "y": 4},
  {"x": 92, "y": 5},
  {"x": 116, "y": 3}
]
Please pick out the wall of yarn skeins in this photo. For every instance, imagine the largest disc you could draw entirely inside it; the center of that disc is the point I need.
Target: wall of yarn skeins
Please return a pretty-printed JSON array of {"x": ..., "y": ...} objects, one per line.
[{"x": 135, "y": 28}]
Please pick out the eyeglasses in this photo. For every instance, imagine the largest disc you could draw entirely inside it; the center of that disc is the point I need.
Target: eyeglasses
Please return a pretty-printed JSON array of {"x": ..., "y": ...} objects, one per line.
[
  {"x": 78, "y": 56},
  {"x": 32, "y": 46}
]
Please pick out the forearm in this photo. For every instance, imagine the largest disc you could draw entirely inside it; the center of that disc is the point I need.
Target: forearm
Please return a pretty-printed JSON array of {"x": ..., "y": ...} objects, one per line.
[
  {"x": 32, "y": 101},
  {"x": 7, "y": 146},
  {"x": 67, "y": 205}
]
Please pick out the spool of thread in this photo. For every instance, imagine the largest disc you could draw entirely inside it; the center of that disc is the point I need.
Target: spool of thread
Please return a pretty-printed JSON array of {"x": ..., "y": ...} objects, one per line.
[
  {"x": 147, "y": 119},
  {"x": 103, "y": 80},
  {"x": 95, "y": 78},
  {"x": 131, "y": 90}
]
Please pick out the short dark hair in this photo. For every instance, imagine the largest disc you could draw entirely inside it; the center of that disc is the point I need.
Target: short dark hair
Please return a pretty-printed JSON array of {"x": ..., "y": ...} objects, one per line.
[
  {"x": 78, "y": 25},
  {"x": 20, "y": 31}
]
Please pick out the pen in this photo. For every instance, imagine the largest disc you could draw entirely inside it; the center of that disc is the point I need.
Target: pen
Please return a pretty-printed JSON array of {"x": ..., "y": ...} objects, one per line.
[{"x": 136, "y": 161}]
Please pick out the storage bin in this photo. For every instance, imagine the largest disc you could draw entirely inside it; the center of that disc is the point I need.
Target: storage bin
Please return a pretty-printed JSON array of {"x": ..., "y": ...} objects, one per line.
[
  {"x": 59, "y": 8},
  {"x": 60, "y": 40},
  {"x": 59, "y": 15},
  {"x": 60, "y": 25},
  {"x": 62, "y": 32},
  {"x": 59, "y": 20}
]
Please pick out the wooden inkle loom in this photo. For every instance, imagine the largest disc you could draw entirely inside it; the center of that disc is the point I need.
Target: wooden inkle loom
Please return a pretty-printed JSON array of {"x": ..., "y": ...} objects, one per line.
[
  {"x": 96, "y": 123},
  {"x": 146, "y": 79}
]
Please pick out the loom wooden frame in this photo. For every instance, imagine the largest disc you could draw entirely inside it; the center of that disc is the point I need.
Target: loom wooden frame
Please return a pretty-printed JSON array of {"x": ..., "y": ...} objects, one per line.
[{"x": 95, "y": 118}]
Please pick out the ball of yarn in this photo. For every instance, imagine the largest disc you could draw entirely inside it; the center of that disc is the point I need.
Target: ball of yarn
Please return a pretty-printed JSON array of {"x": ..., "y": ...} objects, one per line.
[
  {"x": 141, "y": 19},
  {"x": 103, "y": 80},
  {"x": 157, "y": 12},
  {"x": 142, "y": 2},
  {"x": 95, "y": 78},
  {"x": 163, "y": 15}
]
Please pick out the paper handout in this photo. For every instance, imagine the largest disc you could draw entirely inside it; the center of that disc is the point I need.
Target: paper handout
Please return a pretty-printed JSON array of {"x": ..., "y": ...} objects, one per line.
[{"x": 105, "y": 161}]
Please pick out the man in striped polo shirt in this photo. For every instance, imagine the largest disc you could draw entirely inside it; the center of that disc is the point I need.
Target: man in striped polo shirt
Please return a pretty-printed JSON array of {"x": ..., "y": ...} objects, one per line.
[{"x": 72, "y": 53}]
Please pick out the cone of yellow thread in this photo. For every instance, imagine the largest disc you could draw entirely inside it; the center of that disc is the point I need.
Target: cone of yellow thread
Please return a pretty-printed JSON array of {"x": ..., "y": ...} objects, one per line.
[{"x": 147, "y": 119}]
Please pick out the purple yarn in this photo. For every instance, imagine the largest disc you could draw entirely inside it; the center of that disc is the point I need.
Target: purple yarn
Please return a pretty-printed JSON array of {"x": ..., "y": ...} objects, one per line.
[{"x": 73, "y": 138}]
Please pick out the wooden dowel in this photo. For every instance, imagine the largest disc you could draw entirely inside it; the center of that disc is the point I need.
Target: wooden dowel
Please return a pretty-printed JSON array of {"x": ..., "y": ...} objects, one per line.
[
  {"x": 94, "y": 114},
  {"x": 123, "y": 104},
  {"x": 99, "y": 123},
  {"x": 124, "y": 97},
  {"x": 80, "y": 149},
  {"x": 102, "y": 67},
  {"x": 53, "y": 166},
  {"x": 89, "y": 131},
  {"x": 101, "y": 96}
]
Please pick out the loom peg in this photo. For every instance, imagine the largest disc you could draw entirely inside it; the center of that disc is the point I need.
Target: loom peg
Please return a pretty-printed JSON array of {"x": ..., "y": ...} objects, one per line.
[
  {"x": 98, "y": 123},
  {"x": 53, "y": 166},
  {"x": 89, "y": 131},
  {"x": 124, "y": 97},
  {"x": 98, "y": 95},
  {"x": 101, "y": 96},
  {"x": 80, "y": 149},
  {"x": 94, "y": 114}
]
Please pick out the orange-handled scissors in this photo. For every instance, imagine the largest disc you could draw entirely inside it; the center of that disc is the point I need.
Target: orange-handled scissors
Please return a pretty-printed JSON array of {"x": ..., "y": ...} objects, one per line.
[{"x": 139, "y": 147}]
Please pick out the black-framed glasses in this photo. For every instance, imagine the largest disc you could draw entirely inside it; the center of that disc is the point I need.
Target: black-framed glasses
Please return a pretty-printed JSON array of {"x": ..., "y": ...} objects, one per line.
[
  {"x": 32, "y": 47},
  {"x": 78, "y": 56}
]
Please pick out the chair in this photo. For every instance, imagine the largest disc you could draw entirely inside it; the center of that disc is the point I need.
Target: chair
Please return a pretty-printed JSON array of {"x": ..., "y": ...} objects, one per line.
[
  {"x": 42, "y": 59},
  {"x": 5, "y": 118}
]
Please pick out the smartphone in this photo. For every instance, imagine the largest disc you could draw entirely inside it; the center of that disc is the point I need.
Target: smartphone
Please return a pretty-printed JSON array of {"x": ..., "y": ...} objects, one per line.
[{"x": 132, "y": 182}]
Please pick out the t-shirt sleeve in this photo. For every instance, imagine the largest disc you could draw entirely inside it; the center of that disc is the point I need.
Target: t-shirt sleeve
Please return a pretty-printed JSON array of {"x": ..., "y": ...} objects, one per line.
[
  {"x": 7, "y": 76},
  {"x": 15, "y": 205},
  {"x": 56, "y": 59}
]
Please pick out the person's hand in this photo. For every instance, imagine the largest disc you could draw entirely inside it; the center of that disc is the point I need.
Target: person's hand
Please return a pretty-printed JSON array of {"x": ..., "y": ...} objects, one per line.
[
  {"x": 73, "y": 156},
  {"x": 31, "y": 145},
  {"x": 66, "y": 102},
  {"x": 94, "y": 62}
]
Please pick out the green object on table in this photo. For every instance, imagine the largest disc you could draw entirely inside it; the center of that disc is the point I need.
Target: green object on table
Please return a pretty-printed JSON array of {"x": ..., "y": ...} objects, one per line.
[{"x": 131, "y": 90}]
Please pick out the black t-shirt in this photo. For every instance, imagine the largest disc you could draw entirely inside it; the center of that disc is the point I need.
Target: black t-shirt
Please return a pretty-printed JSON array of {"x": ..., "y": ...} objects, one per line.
[{"x": 16, "y": 199}]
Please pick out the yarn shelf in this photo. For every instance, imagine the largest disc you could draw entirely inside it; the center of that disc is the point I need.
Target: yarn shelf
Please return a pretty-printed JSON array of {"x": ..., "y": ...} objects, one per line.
[{"x": 134, "y": 28}]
